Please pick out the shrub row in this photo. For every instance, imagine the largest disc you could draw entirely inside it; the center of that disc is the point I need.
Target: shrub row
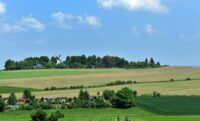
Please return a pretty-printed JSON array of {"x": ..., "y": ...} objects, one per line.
[{"x": 119, "y": 82}]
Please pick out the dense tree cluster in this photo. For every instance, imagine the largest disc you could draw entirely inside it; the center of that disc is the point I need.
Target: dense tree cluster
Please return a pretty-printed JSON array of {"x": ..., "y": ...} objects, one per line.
[
  {"x": 124, "y": 98},
  {"x": 78, "y": 62},
  {"x": 42, "y": 116}
]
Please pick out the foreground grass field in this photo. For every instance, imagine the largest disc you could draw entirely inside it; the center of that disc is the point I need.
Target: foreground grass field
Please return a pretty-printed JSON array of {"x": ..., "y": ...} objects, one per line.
[{"x": 148, "y": 109}]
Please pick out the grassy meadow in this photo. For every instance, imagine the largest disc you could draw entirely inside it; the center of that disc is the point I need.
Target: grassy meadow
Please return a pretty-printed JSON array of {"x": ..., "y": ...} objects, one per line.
[
  {"x": 36, "y": 79},
  {"x": 148, "y": 109}
]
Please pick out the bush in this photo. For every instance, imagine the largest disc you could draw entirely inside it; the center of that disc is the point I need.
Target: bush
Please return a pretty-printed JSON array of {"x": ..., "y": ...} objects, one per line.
[
  {"x": 156, "y": 94},
  {"x": 55, "y": 116},
  {"x": 39, "y": 116},
  {"x": 129, "y": 82},
  {"x": 46, "y": 89},
  {"x": 53, "y": 88},
  {"x": 171, "y": 80},
  {"x": 59, "y": 114},
  {"x": 188, "y": 78},
  {"x": 42, "y": 116},
  {"x": 47, "y": 106},
  {"x": 100, "y": 103},
  {"x": 124, "y": 98},
  {"x": 108, "y": 94},
  {"x": 27, "y": 107}
]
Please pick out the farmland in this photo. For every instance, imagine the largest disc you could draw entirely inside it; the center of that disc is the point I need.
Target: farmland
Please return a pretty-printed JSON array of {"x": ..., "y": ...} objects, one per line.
[
  {"x": 179, "y": 99},
  {"x": 40, "y": 79}
]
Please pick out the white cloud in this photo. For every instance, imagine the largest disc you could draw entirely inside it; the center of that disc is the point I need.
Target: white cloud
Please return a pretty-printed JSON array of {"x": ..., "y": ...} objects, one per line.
[
  {"x": 135, "y": 5},
  {"x": 146, "y": 29},
  {"x": 6, "y": 27},
  {"x": 32, "y": 23},
  {"x": 149, "y": 29},
  {"x": 67, "y": 20},
  {"x": 24, "y": 24},
  {"x": 93, "y": 21},
  {"x": 2, "y": 8},
  {"x": 62, "y": 19}
]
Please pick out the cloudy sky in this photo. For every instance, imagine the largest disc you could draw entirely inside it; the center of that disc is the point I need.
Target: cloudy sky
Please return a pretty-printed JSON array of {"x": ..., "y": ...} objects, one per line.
[{"x": 168, "y": 30}]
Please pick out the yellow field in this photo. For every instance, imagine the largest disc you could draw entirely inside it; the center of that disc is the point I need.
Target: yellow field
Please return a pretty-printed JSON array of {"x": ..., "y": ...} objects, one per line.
[{"x": 140, "y": 75}]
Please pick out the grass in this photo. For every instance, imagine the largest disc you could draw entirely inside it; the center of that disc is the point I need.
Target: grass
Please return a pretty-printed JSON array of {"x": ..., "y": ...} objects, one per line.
[
  {"x": 170, "y": 105},
  {"x": 73, "y": 77},
  {"x": 48, "y": 73},
  {"x": 165, "y": 108},
  {"x": 7, "y": 89},
  {"x": 165, "y": 88},
  {"x": 174, "y": 108}
]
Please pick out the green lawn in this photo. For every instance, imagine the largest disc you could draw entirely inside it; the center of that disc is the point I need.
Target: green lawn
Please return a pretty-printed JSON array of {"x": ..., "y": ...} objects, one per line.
[
  {"x": 135, "y": 114},
  {"x": 174, "y": 108},
  {"x": 50, "y": 72},
  {"x": 8, "y": 89}
]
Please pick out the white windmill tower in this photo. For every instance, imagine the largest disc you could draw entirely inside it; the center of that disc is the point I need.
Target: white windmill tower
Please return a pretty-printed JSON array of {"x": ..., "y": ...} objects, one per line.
[{"x": 58, "y": 60}]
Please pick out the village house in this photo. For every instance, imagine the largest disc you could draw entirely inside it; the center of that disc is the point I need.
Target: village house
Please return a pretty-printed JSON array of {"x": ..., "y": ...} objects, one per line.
[
  {"x": 48, "y": 99},
  {"x": 22, "y": 101}
]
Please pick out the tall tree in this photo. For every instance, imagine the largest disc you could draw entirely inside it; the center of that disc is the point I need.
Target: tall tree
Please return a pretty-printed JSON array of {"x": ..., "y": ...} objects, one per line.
[
  {"x": 27, "y": 94},
  {"x": 12, "y": 99}
]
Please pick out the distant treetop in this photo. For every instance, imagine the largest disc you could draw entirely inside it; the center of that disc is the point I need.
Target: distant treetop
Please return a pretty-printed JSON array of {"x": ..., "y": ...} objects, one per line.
[{"x": 82, "y": 61}]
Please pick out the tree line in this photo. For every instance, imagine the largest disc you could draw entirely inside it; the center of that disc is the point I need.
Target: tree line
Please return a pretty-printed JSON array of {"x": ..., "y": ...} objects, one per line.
[
  {"x": 124, "y": 98},
  {"x": 81, "y": 61}
]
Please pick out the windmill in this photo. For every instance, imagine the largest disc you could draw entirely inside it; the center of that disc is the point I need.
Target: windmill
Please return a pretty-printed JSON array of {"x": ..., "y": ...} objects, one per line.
[{"x": 58, "y": 60}]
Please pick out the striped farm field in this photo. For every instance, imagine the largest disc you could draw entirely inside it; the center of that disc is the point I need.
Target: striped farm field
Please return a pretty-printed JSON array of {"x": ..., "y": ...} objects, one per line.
[{"x": 86, "y": 77}]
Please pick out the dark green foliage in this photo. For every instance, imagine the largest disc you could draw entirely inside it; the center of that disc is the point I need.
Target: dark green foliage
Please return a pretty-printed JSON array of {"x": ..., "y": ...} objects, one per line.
[
  {"x": 42, "y": 116},
  {"x": 144, "y": 64},
  {"x": 39, "y": 116},
  {"x": 27, "y": 94},
  {"x": 10, "y": 65},
  {"x": 119, "y": 83},
  {"x": 46, "y": 105},
  {"x": 12, "y": 99},
  {"x": 156, "y": 94},
  {"x": 188, "y": 78},
  {"x": 78, "y": 62},
  {"x": 100, "y": 103},
  {"x": 108, "y": 94},
  {"x": 124, "y": 98},
  {"x": 91, "y": 86},
  {"x": 2, "y": 104},
  {"x": 84, "y": 95}
]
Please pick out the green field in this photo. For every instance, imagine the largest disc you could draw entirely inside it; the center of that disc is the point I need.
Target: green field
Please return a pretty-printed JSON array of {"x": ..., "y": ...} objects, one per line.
[
  {"x": 148, "y": 109},
  {"x": 7, "y": 89},
  {"x": 40, "y": 79},
  {"x": 175, "y": 103},
  {"x": 48, "y": 72}
]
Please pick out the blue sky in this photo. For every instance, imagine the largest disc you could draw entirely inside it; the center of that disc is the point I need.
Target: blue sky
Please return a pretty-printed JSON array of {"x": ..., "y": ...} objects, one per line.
[{"x": 168, "y": 30}]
